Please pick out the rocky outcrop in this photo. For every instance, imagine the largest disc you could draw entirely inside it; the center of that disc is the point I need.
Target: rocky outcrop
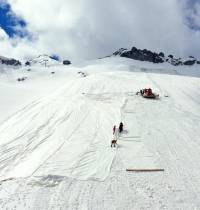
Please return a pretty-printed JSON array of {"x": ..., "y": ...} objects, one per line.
[
  {"x": 9, "y": 61},
  {"x": 27, "y": 63},
  {"x": 66, "y": 62},
  {"x": 141, "y": 55},
  {"x": 189, "y": 62},
  {"x": 147, "y": 55}
]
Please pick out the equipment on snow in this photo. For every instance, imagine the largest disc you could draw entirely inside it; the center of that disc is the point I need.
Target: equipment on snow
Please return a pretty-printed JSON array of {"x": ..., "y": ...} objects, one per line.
[
  {"x": 145, "y": 170},
  {"x": 147, "y": 93}
]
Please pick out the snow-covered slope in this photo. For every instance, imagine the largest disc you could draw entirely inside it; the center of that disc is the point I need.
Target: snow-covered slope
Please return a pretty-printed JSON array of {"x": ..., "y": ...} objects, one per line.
[
  {"x": 55, "y": 144},
  {"x": 43, "y": 60}
]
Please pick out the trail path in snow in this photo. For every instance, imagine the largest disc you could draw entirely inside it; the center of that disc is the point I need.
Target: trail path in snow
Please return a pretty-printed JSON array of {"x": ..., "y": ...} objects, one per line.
[{"x": 132, "y": 150}]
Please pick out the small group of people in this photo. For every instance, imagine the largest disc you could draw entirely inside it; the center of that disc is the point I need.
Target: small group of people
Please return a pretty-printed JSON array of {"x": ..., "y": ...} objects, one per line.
[
  {"x": 116, "y": 132},
  {"x": 121, "y": 125}
]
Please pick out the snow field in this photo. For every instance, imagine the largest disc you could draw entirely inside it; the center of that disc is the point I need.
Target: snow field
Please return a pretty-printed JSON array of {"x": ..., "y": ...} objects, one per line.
[{"x": 56, "y": 150}]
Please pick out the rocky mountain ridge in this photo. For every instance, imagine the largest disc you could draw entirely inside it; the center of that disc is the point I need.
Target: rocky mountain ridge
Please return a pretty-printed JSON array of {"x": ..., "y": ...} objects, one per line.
[
  {"x": 147, "y": 55},
  {"x": 9, "y": 61}
]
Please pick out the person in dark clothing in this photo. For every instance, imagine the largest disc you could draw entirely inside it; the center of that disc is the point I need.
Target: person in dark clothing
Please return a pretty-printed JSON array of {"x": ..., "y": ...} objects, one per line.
[
  {"x": 121, "y": 127},
  {"x": 113, "y": 143},
  {"x": 114, "y": 129}
]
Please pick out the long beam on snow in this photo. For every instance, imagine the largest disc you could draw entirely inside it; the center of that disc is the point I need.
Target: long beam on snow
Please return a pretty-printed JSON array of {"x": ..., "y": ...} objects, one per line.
[{"x": 145, "y": 170}]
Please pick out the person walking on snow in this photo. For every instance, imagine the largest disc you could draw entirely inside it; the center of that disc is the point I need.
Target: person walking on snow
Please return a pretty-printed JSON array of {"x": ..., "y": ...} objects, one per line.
[
  {"x": 121, "y": 127},
  {"x": 114, "y": 129}
]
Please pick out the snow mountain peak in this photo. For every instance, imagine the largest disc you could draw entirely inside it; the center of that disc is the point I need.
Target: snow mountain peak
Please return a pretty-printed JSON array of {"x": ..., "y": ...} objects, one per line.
[{"x": 42, "y": 60}]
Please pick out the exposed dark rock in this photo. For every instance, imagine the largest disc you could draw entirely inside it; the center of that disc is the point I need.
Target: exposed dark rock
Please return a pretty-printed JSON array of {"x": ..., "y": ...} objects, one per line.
[
  {"x": 66, "y": 62},
  {"x": 161, "y": 54},
  {"x": 21, "y": 79},
  {"x": 142, "y": 55},
  {"x": 10, "y": 61},
  {"x": 189, "y": 62},
  {"x": 147, "y": 55},
  {"x": 27, "y": 63},
  {"x": 120, "y": 51},
  {"x": 170, "y": 56},
  {"x": 82, "y": 74},
  {"x": 176, "y": 62}
]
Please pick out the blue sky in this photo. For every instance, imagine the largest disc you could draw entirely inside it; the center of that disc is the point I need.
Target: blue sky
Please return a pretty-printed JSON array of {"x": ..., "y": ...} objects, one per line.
[{"x": 10, "y": 22}]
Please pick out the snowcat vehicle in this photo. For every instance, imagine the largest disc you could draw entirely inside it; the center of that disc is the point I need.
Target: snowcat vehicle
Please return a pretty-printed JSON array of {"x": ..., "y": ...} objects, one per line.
[{"x": 147, "y": 93}]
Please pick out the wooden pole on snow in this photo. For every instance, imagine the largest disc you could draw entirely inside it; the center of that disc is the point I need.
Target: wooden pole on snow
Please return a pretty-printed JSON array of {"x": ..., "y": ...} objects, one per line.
[{"x": 145, "y": 170}]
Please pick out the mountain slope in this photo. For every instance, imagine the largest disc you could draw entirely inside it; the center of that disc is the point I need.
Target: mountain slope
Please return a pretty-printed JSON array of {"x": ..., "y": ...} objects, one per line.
[{"x": 55, "y": 152}]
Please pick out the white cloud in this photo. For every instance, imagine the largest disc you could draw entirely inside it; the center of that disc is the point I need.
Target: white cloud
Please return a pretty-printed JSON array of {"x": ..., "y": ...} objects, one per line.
[
  {"x": 194, "y": 14},
  {"x": 5, "y": 45},
  {"x": 85, "y": 29}
]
